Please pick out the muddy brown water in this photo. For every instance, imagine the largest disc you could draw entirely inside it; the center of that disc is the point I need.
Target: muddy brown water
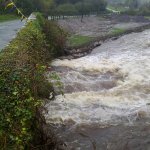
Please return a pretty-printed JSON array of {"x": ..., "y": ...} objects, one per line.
[{"x": 106, "y": 101}]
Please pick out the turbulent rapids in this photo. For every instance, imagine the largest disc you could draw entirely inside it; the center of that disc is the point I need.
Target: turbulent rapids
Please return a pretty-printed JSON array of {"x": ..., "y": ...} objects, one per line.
[{"x": 106, "y": 102}]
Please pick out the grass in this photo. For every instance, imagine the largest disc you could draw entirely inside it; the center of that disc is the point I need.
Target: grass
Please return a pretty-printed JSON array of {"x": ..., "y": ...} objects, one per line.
[
  {"x": 117, "y": 8},
  {"x": 78, "y": 40},
  {"x": 147, "y": 17},
  {"x": 7, "y": 17},
  {"x": 117, "y": 31}
]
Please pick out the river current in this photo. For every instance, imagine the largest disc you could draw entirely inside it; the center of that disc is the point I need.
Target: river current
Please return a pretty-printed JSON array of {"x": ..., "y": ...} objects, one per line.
[{"x": 106, "y": 101}]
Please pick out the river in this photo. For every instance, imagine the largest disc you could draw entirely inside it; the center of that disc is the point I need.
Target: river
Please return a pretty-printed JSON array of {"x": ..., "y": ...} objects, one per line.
[
  {"x": 106, "y": 102},
  {"x": 8, "y": 31}
]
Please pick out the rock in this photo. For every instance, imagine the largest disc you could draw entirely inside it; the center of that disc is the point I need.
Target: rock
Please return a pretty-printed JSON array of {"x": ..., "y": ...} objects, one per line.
[
  {"x": 73, "y": 51},
  {"x": 96, "y": 44},
  {"x": 114, "y": 38},
  {"x": 141, "y": 114},
  {"x": 78, "y": 50},
  {"x": 100, "y": 43},
  {"x": 67, "y": 52}
]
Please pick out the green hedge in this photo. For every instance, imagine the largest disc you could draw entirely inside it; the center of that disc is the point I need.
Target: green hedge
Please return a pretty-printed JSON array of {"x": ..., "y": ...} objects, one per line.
[{"x": 22, "y": 65}]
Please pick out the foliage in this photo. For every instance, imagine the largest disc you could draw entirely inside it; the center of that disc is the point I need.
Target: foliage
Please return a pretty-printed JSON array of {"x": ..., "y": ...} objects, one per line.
[
  {"x": 132, "y": 3},
  {"x": 56, "y": 37},
  {"x": 7, "y": 17},
  {"x": 80, "y": 7},
  {"x": 131, "y": 7},
  {"x": 66, "y": 9},
  {"x": 143, "y": 10},
  {"x": 26, "y": 6},
  {"x": 43, "y": 5},
  {"x": 22, "y": 64},
  {"x": 57, "y": 7},
  {"x": 83, "y": 8},
  {"x": 117, "y": 31}
]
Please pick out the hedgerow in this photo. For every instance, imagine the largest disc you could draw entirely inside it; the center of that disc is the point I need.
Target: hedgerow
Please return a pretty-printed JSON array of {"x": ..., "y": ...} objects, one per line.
[
  {"x": 22, "y": 67},
  {"x": 55, "y": 36}
]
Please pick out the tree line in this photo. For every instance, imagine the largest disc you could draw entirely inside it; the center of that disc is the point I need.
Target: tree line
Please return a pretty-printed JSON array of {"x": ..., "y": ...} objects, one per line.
[
  {"x": 133, "y": 7},
  {"x": 138, "y": 7},
  {"x": 57, "y": 7}
]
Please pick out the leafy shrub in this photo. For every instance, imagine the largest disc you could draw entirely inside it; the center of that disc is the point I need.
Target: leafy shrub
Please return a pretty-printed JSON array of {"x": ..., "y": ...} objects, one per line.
[
  {"x": 22, "y": 64},
  {"x": 145, "y": 9},
  {"x": 67, "y": 9},
  {"x": 56, "y": 38}
]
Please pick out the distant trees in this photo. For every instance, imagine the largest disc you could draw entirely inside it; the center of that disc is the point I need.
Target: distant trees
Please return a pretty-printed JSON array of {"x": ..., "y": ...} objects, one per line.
[
  {"x": 138, "y": 7},
  {"x": 66, "y": 9},
  {"x": 133, "y": 4},
  {"x": 60, "y": 7},
  {"x": 80, "y": 6},
  {"x": 27, "y": 6},
  {"x": 145, "y": 9}
]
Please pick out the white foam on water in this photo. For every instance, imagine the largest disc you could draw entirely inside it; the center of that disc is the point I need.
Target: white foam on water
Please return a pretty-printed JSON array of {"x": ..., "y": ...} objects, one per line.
[{"x": 128, "y": 57}]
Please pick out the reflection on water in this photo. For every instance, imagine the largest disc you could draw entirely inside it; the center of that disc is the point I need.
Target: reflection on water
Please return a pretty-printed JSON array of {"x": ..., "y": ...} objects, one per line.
[{"x": 107, "y": 96}]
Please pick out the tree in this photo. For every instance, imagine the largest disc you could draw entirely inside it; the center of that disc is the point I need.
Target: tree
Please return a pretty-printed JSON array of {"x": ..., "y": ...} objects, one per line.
[
  {"x": 44, "y": 6},
  {"x": 62, "y": 7},
  {"x": 66, "y": 9},
  {"x": 99, "y": 5},
  {"x": 27, "y": 6},
  {"x": 132, "y": 3}
]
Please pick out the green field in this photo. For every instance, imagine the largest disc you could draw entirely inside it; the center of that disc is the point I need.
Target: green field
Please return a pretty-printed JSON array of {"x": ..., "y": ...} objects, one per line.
[
  {"x": 117, "y": 31},
  {"x": 78, "y": 40},
  {"x": 4, "y": 18}
]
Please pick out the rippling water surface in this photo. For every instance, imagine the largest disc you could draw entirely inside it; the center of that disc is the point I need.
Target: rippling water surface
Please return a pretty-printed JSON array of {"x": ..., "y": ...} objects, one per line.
[{"x": 107, "y": 97}]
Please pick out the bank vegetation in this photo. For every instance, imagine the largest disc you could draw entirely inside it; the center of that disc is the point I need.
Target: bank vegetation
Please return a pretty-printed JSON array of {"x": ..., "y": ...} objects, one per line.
[{"x": 23, "y": 84}]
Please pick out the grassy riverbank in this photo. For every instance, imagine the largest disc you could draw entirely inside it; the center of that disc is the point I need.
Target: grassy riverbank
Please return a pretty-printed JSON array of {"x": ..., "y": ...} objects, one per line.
[
  {"x": 7, "y": 17},
  {"x": 78, "y": 40},
  {"x": 117, "y": 31},
  {"x": 93, "y": 28}
]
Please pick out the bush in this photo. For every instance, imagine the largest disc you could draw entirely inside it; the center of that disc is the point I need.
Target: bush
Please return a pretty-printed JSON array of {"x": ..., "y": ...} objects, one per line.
[
  {"x": 56, "y": 38},
  {"x": 145, "y": 10},
  {"x": 67, "y": 9},
  {"x": 22, "y": 65}
]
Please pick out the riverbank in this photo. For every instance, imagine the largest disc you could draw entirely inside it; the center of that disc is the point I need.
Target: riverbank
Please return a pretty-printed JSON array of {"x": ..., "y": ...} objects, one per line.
[{"x": 93, "y": 31}]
